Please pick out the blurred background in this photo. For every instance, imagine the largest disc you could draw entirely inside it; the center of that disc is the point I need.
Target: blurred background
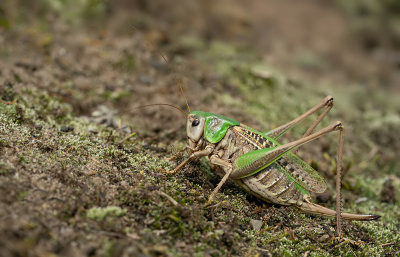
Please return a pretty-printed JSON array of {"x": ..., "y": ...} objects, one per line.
[
  {"x": 342, "y": 40},
  {"x": 82, "y": 67}
]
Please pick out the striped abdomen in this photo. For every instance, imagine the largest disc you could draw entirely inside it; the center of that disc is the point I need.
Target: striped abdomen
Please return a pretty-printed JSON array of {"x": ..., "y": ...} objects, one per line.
[{"x": 274, "y": 183}]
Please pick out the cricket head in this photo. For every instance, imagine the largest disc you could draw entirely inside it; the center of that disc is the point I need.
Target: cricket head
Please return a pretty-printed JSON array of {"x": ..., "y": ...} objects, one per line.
[
  {"x": 195, "y": 126},
  {"x": 207, "y": 125}
]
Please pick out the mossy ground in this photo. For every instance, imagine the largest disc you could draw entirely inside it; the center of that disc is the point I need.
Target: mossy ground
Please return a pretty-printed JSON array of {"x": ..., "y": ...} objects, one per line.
[{"x": 81, "y": 167}]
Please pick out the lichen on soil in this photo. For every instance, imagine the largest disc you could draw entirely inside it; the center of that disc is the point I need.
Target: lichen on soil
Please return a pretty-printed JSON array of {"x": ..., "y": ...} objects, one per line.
[{"x": 81, "y": 165}]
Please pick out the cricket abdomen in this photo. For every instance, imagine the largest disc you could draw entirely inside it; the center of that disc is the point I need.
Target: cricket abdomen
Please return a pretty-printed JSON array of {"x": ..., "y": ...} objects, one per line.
[{"x": 271, "y": 183}]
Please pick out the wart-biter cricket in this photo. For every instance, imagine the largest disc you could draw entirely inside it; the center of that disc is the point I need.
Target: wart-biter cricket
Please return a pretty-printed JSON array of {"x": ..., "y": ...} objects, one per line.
[{"x": 263, "y": 167}]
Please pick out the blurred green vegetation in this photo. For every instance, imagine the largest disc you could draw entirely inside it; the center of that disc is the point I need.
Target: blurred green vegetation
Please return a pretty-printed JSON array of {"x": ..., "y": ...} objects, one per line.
[
  {"x": 74, "y": 12},
  {"x": 377, "y": 23}
]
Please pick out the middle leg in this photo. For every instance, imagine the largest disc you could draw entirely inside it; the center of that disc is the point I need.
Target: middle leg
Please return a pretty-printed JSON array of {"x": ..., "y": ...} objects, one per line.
[{"x": 228, "y": 171}]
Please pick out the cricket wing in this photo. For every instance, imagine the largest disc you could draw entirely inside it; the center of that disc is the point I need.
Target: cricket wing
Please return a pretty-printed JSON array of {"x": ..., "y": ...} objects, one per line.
[{"x": 302, "y": 173}]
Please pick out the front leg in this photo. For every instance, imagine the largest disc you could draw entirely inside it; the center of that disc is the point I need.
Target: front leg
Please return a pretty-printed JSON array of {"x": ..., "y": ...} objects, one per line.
[
  {"x": 207, "y": 151},
  {"x": 195, "y": 149},
  {"x": 228, "y": 170}
]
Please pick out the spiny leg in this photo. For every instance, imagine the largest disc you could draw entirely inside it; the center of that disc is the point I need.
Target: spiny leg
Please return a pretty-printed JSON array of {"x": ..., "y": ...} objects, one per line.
[
  {"x": 317, "y": 121},
  {"x": 329, "y": 103},
  {"x": 228, "y": 170},
  {"x": 254, "y": 161},
  {"x": 279, "y": 131},
  {"x": 339, "y": 184},
  {"x": 207, "y": 151},
  {"x": 339, "y": 231}
]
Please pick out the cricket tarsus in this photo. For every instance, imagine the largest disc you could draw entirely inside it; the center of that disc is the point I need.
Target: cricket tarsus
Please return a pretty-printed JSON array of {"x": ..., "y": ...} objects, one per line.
[{"x": 194, "y": 155}]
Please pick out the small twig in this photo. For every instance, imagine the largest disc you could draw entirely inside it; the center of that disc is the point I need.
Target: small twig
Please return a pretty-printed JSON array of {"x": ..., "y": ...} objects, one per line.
[
  {"x": 278, "y": 226},
  {"x": 110, "y": 233},
  {"x": 172, "y": 200},
  {"x": 291, "y": 233},
  {"x": 388, "y": 244},
  {"x": 214, "y": 205},
  {"x": 91, "y": 173},
  {"x": 127, "y": 137},
  {"x": 349, "y": 241},
  {"x": 9, "y": 103},
  {"x": 241, "y": 233},
  {"x": 328, "y": 231},
  {"x": 252, "y": 249},
  {"x": 133, "y": 236},
  {"x": 261, "y": 249},
  {"x": 342, "y": 243},
  {"x": 109, "y": 136},
  {"x": 56, "y": 199}
]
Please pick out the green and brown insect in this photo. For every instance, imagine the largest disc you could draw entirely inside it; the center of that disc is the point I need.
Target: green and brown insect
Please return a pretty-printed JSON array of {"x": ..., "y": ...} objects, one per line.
[{"x": 257, "y": 162}]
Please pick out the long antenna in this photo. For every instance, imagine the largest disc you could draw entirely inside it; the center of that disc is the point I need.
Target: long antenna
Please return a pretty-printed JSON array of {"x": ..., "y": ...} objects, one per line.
[
  {"x": 175, "y": 77},
  {"x": 178, "y": 80},
  {"x": 170, "y": 105},
  {"x": 181, "y": 88}
]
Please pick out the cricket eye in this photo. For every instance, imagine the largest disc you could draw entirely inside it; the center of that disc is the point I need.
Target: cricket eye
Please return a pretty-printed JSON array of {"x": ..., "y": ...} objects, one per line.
[{"x": 195, "y": 123}]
